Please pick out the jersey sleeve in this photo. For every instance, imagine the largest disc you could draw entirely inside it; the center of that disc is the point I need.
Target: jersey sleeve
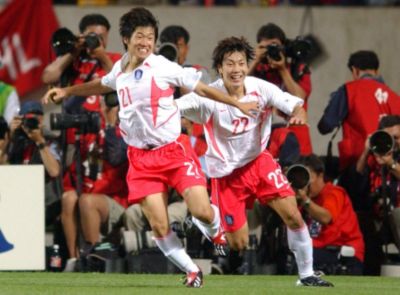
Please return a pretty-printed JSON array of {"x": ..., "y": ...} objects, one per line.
[
  {"x": 195, "y": 108},
  {"x": 275, "y": 97},
  {"x": 179, "y": 76},
  {"x": 110, "y": 79}
]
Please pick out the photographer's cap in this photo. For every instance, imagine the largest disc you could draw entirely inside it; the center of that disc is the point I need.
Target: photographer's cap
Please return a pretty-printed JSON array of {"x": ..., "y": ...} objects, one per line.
[{"x": 31, "y": 107}]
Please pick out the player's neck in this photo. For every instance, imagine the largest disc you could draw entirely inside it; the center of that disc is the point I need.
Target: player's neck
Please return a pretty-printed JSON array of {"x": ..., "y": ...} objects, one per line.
[{"x": 237, "y": 92}]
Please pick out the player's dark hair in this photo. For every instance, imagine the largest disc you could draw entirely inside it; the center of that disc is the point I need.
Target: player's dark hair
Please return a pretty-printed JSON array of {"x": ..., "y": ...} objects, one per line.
[
  {"x": 92, "y": 20},
  {"x": 231, "y": 45},
  {"x": 363, "y": 60},
  {"x": 173, "y": 33},
  {"x": 137, "y": 17}
]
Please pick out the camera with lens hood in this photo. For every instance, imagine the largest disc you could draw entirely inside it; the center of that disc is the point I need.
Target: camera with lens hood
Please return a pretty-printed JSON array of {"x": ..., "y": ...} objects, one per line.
[{"x": 87, "y": 122}]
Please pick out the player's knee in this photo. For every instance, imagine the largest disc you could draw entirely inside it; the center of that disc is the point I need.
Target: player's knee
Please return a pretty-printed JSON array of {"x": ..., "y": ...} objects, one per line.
[
  {"x": 204, "y": 214},
  {"x": 160, "y": 229},
  {"x": 238, "y": 244},
  {"x": 294, "y": 219}
]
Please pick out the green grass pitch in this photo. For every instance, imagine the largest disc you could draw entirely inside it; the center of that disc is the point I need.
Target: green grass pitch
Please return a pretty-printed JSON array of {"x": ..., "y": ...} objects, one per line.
[{"x": 119, "y": 284}]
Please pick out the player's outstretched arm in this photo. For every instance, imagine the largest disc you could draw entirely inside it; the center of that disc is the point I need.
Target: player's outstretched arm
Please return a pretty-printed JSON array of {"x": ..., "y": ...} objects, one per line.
[
  {"x": 94, "y": 87},
  {"x": 248, "y": 108}
]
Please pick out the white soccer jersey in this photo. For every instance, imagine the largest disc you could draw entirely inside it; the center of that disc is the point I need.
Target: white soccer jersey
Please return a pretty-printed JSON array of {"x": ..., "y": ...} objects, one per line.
[
  {"x": 233, "y": 138},
  {"x": 148, "y": 115}
]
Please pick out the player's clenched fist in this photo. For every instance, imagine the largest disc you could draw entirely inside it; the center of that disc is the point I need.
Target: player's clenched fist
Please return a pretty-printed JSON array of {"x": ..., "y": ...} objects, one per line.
[{"x": 54, "y": 95}]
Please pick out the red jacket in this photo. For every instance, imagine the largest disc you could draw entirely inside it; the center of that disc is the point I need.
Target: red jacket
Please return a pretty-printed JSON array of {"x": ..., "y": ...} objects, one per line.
[
  {"x": 343, "y": 228},
  {"x": 368, "y": 100}
]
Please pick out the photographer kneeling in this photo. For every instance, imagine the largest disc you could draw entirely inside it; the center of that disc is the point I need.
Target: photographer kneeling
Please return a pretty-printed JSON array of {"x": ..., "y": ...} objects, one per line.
[
  {"x": 30, "y": 143},
  {"x": 330, "y": 217}
]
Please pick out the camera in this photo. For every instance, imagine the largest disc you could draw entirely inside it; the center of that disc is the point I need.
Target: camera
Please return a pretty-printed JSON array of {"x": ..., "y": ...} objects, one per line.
[
  {"x": 168, "y": 50},
  {"x": 88, "y": 122},
  {"x": 297, "y": 49},
  {"x": 298, "y": 176},
  {"x": 63, "y": 41},
  {"x": 92, "y": 41},
  {"x": 381, "y": 142},
  {"x": 111, "y": 99},
  {"x": 30, "y": 121}
]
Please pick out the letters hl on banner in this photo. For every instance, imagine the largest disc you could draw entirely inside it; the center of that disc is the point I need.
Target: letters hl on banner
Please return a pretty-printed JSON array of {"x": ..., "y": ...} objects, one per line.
[{"x": 25, "y": 50}]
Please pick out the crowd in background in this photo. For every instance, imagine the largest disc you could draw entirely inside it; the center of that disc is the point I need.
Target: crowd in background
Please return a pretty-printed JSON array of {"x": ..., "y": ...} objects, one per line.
[{"x": 355, "y": 206}]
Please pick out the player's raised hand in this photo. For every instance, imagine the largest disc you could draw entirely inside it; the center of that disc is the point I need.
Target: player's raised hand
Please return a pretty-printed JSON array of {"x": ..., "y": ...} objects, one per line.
[
  {"x": 54, "y": 95},
  {"x": 298, "y": 117},
  {"x": 251, "y": 108}
]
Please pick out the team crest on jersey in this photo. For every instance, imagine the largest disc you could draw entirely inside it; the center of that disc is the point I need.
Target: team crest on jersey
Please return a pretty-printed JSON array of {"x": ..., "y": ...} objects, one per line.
[
  {"x": 138, "y": 74},
  {"x": 229, "y": 219}
]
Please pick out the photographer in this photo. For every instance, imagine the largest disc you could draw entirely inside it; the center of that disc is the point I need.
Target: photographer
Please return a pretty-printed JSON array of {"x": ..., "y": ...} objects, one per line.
[
  {"x": 30, "y": 143},
  {"x": 380, "y": 163},
  {"x": 86, "y": 54},
  {"x": 102, "y": 197},
  {"x": 279, "y": 63},
  {"x": 330, "y": 217},
  {"x": 81, "y": 59}
]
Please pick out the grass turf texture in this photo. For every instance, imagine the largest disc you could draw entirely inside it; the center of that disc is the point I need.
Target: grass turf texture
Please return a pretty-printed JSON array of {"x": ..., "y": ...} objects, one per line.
[{"x": 118, "y": 284}]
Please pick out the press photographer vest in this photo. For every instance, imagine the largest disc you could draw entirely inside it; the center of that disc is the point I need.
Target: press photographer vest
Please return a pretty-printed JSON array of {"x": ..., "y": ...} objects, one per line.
[{"x": 367, "y": 100}]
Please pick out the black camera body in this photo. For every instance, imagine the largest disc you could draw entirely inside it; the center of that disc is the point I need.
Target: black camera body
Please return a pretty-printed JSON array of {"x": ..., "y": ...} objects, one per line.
[
  {"x": 92, "y": 41},
  {"x": 168, "y": 50},
  {"x": 88, "y": 122},
  {"x": 30, "y": 121},
  {"x": 297, "y": 49},
  {"x": 64, "y": 41}
]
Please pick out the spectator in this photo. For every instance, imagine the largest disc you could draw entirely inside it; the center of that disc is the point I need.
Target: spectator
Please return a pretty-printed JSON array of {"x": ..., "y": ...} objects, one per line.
[
  {"x": 357, "y": 106},
  {"x": 287, "y": 72},
  {"x": 331, "y": 220},
  {"x": 9, "y": 101},
  {"x": 81, "y": 64}
]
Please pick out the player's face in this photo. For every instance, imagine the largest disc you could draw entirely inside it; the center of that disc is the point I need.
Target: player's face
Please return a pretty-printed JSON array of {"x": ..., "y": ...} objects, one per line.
[
  {"x": 234, "y": 69},
  {"x": 141, "y": 44}
]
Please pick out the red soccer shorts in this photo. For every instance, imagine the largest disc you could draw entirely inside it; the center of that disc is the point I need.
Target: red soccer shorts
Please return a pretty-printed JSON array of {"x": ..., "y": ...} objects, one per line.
[
  {"x": 260, "y": 179},
  {"x": 152, "y": 171}
]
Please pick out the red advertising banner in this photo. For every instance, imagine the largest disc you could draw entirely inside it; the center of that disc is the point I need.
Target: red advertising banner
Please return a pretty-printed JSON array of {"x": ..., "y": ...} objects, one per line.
[{"x": 26, "y": 27}]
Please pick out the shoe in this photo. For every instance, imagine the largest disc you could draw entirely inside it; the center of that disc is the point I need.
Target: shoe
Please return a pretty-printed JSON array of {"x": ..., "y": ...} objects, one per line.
[
  {"x": 194, "y": 279},
  {"x": 220, "y": 244},
  {"x": 70, "y": 265},
  {"x": 313, "y": 281}
]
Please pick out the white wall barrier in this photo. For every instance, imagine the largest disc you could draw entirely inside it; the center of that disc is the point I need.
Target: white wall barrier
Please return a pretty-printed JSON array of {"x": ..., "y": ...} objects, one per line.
[{"x": 22, "y": 230}]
